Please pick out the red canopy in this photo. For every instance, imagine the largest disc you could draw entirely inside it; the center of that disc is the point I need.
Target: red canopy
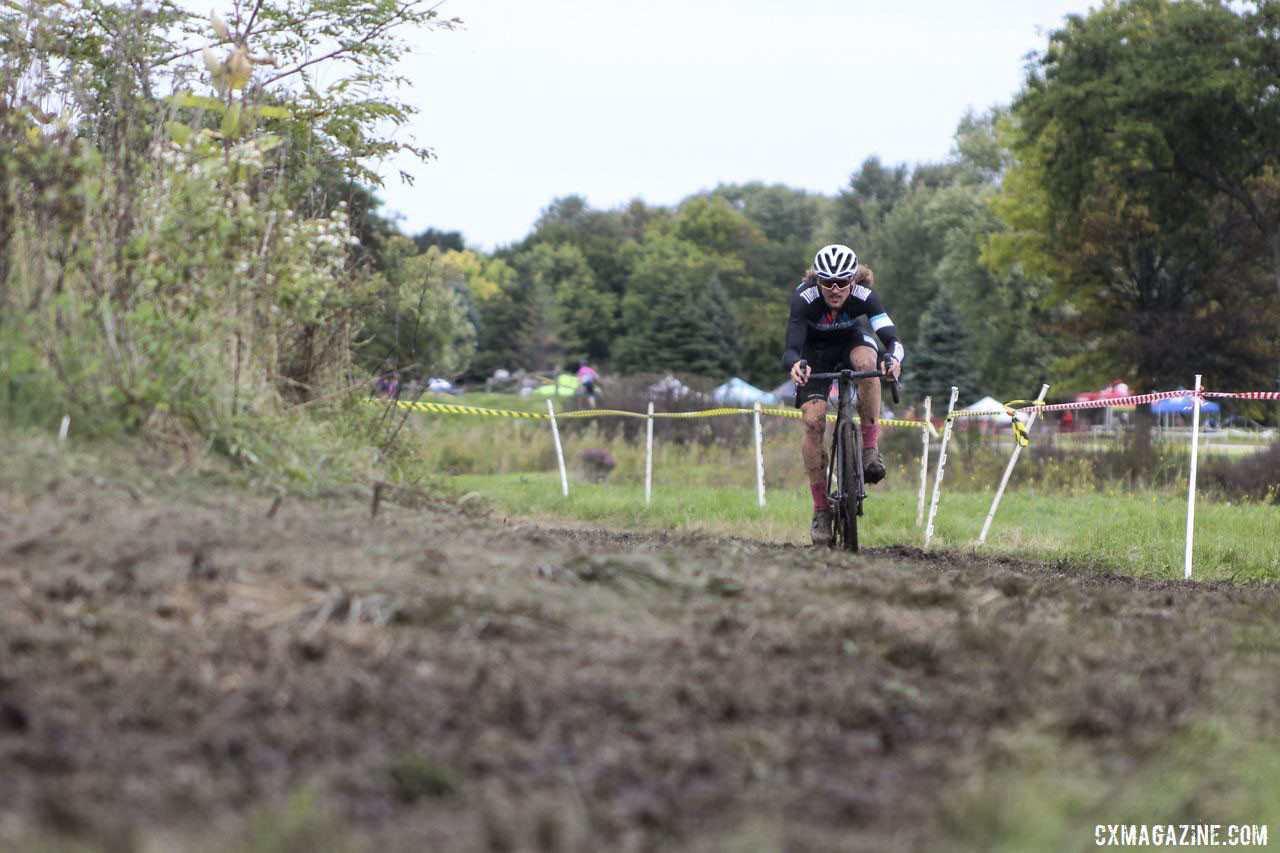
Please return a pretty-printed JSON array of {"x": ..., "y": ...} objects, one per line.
[{"x": 1118, "y": 388}]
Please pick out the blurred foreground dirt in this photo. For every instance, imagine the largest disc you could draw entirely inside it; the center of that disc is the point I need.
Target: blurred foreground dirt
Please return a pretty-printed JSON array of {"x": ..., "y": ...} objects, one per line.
[{"x": 201, "y": 668}]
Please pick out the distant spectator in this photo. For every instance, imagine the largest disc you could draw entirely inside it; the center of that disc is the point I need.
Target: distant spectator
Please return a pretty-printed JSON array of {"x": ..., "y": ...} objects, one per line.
[
  {"x": 587, "y": 379},
  {"x": 388, "y": 382}
]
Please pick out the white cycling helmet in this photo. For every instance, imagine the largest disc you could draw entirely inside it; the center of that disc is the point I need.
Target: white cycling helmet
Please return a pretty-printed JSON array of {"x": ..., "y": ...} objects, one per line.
[{"x": 835, "y": 261}]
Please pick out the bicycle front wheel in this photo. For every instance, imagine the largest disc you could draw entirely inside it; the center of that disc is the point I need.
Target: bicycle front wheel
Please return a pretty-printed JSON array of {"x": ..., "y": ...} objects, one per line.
[{"x": 850, "y": 471}]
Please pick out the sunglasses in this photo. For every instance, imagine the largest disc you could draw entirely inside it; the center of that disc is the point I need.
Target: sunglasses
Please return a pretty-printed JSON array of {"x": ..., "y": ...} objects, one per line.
[{"x": 836, "y": 284}]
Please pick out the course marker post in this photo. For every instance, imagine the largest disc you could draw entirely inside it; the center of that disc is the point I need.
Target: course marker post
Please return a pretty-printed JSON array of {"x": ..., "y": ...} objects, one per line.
[
  {"x": 1008, "y": 470},
  {"x": 648, "y": 457},
  {"x": 555, "y": 432},
  {"x": 924, "y": 460},
  {"x": 942, "y": 464},
  {"x": 1191, "y": 486},
  {"x": 759, "y": 456}
]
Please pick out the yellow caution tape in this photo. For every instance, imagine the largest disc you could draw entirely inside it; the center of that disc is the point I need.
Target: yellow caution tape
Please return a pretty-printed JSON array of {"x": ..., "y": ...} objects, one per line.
[
  {"x": 1019, "y": 428},
  {"x": 796, "y": 413},
  {"x": 587, "y": 413},
  {"x": 709, "y": 413},
  {"x": 452, "y": 409}
]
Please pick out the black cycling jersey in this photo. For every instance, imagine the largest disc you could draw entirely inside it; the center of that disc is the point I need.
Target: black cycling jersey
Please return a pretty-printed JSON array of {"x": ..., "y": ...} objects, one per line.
[{"x": 814, "y": 322}]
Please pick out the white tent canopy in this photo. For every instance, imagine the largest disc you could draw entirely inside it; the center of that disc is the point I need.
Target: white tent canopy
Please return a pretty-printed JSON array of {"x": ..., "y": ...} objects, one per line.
[
  {"x": 742, "y": 392},
  {"x": 989, "y": 404}
]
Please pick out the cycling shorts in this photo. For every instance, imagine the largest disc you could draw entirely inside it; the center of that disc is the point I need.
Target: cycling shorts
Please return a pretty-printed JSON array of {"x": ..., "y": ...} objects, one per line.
[{"x": 828, "y": 356}]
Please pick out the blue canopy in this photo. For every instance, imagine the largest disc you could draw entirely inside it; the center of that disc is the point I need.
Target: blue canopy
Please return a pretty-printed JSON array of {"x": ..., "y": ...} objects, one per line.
[{"x": 1182, "y": 406}]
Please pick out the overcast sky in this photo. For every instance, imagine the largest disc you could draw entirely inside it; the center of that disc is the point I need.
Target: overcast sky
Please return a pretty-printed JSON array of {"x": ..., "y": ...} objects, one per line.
[{"x": 530, "y": 100}]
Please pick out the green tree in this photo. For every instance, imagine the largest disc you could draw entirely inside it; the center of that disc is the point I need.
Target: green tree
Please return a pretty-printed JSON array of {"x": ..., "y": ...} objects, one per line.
[
  {"x": 1178, "y": 94},
  {"x": 585, "y": 314},
  {"x": 1149, "y": 261},
  {"x": 497, "y": 320},
  {"x": 424, "y": 328},
  {"x": 756, "y": 275},
  {"x": 872, "y": 192},
  {"x": 598, "y": 235},
  {"x": 943, "y": 356},
  {"x": 785, "y": 216},
  {"x": 676, "y": 314},
  {"x": 714, "y": 226},
  {"x": 444, "y": 240}
]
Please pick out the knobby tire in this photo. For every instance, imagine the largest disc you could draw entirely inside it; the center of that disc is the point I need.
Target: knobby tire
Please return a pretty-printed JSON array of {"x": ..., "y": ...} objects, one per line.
[
  {"x": 851, "y": 485},
  {"x": 843, "y": 470}
]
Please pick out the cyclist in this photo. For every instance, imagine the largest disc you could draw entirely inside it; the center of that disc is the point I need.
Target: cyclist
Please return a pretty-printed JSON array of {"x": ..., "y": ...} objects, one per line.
[
  {"x": 587, "y": 379},
  {"x": 833, "y": 313}
]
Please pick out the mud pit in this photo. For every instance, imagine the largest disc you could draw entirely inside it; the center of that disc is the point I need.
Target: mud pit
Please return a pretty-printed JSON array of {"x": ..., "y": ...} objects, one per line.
[{"x": 184, "y": 666}]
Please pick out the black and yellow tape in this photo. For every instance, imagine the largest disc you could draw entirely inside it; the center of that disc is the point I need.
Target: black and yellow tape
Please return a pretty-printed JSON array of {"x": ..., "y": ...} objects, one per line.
[
  {"x": 1019, "y": 428},
  {"x": 453, "y": 409}
]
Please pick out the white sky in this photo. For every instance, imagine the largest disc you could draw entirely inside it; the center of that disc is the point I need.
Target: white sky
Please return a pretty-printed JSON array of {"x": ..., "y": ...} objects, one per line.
[{"x": 534, "y": 99}]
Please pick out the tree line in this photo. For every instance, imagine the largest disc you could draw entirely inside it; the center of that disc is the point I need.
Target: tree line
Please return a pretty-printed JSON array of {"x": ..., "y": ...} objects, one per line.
[
  {"x": 190, "y": 234},
  {"x": 1120, "y": 218}
]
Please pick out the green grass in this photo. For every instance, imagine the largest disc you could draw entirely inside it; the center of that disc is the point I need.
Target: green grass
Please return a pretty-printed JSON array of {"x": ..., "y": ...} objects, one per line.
[
  {"x": 1049, "y": 795},
  {"x": 1142, "y": 536},
  {"x": 1058, "y": 510}
]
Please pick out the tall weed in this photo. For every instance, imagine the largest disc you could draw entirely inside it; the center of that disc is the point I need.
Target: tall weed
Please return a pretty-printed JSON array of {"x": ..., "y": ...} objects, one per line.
[{"x": 154, "y": 277}]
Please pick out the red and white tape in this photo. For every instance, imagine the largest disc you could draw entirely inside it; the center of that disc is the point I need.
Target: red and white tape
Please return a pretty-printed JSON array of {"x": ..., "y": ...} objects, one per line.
[
  {"x": 1245, "y": 395},
  {"x": 1133, "y": 400}
]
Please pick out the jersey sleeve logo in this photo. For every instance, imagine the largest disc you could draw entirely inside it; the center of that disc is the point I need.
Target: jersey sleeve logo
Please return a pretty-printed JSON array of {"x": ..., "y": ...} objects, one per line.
[
  {"x": 809, "y": 295},
  {"x": 861, "y": 292}
]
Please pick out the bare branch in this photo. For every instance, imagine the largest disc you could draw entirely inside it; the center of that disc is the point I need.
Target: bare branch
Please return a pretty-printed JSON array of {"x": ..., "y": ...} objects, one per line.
[
  {"x": 248, "y": 28},
  {"x": 378, "y": 30}
]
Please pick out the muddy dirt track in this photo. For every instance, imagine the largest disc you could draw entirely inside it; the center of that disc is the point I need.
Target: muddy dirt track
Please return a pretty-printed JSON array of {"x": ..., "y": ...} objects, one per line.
[{"x": 190, "y": 666}]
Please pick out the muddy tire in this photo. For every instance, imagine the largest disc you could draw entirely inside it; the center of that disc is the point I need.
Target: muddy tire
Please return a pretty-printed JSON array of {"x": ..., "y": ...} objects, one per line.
[{"x": 846, "y": 520}]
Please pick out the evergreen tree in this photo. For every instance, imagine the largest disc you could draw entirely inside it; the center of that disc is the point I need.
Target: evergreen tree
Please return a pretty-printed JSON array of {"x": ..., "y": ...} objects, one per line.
[
  {"x": 496, "y": 321},
  {"x": 943, "y": 356},
  {"x": 871, "y": 195},
  {"x": 676, "y": 314}
]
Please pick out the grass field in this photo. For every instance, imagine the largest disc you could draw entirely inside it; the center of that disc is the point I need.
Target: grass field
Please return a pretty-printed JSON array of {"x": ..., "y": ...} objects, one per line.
[
  {"x": 1126, "y": 534},
  {"x": 1059, "y": 508}
]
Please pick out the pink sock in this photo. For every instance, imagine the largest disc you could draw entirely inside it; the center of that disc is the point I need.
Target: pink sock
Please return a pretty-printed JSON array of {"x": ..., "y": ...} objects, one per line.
[
  {"x": 819, "y": 492},
  {"x": 870, "y": 434}
]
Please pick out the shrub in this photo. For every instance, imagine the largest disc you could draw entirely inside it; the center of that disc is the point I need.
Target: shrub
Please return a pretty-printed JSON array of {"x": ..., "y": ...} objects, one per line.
[
  {"x": 597, "y": 463},
  {"x": 158, "y": 273},
  {"x": 1256, "y": 477}
]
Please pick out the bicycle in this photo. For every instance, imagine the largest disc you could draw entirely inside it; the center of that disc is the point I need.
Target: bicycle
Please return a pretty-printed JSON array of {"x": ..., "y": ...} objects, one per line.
[{"x": 844, "y": 464}]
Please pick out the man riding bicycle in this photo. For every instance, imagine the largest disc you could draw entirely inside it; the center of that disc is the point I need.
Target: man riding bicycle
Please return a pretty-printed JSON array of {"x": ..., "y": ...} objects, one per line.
[{"x": 829, "y": 331}]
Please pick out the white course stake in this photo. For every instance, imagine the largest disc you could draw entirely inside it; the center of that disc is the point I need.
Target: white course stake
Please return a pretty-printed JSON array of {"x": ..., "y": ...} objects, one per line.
[
  {"x": 1191, "y": 487},
  {"x": 924, "y": 460},
  {"x": 62, "y": 430},
  {"x": 555, "y": 431},
  {"x": 759, "y": 457},
  {"x": 1013, "y": 460},
  {"x": 942, "y": 464},
  {"x": 648, "y": 457}
]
